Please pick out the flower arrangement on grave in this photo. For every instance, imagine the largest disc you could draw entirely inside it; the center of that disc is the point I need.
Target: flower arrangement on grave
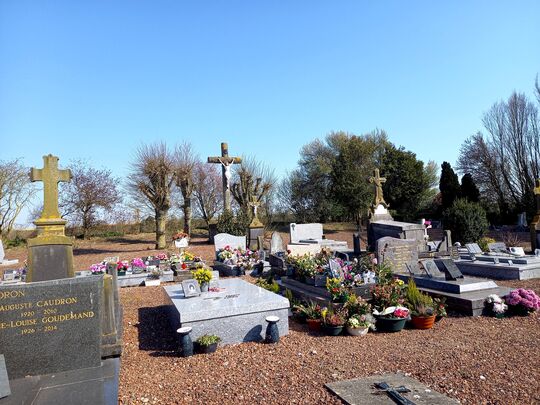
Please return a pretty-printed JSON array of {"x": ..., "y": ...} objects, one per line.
[
  {"x": 98, "y": 268},
  {"x": 333, "y": 322},
  {"x": 496, "y": 306},
  {"x": 179, "y": 235},
  {"x": 155, "y": 273},
  {"x": 439, "y": 304},
  {"x": 311, "y": 313},
  {"x": 393, "y": 312},
  {"x": 225, "y": 254},
  {"x": 357, "y": 306},
  {"x": 522, "y": 301},
  {"x": 137, "y": 262},
  {"x": 306, "y": 266},
  {"x": 337, "y": 290},
  {"x": 364, "y": 321},
  {"x": 122, "y": 265},
  {"x": 161, "y": 256},
  {"x": 269, "y": 285},
  {"x": 187, "y": 256},
  {"x": 389, "y": 294},
  {"x": 419, "y": 304},
  {"x": 207, "y": 343},
  {"x": 203, "y": 275}
]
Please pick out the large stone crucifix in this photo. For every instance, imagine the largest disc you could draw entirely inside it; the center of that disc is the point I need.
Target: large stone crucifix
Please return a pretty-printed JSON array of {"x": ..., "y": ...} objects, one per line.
[
  {"x": 226, "y": 162},
  {"x": 378, "y": 181},
  {"x": 50, "y": 175}
]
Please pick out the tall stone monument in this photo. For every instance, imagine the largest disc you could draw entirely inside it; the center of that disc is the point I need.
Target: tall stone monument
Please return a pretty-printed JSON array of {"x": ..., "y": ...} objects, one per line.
[
  {"x": 226, "y": 162},
  {"x": 535, "y": 224},
  {"x": 256, "y": 227},
  {"x": 50, "y": 254}
]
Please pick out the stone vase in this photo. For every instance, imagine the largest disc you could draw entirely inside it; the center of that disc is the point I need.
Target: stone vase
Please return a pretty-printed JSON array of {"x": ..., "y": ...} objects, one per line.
[
  {"x": 186, "y": 345},
  {"x": 204, "y": 287},
  {"x": 272, "y": 331}
]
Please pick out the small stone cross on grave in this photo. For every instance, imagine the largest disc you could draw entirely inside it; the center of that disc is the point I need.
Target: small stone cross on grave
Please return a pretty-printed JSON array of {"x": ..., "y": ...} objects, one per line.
[
  {"x": 50, "y": 175},
  {"x": 226, "y": 162},
  {"x": 378, "y": 181}
]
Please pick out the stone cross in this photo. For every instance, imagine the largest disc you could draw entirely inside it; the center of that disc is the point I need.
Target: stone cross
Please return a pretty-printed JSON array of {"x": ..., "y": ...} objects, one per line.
[
  {"x": 378, "y": 181},
  {"x": 255, "y": 223},
  {"x": 50, "y": 175},
  {"x": 226, "y": 162}
]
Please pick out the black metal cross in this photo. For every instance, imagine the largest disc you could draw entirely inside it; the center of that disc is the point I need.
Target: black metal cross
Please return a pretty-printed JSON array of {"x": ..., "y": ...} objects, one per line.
[{"x": 394, "y": 393}]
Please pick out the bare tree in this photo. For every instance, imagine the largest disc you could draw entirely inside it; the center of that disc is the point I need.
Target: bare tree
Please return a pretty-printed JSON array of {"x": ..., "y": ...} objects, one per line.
[
  {"x": 207, "y": 191},
  {"x": 153, "y": 176},
  {"x": 16, "y": 191},
  {"x": 505, "y": 162},
  {"x": 186, "y": 161},
  {"x": 89, "y": 192},
  {"x": 253, "y": 182}
]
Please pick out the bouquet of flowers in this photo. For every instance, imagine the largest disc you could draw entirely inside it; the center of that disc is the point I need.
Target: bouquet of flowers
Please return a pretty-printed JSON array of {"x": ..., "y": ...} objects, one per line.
[
  {"x": 336, "y": 289},
  {"x": 496, "y": 305},
  {"x": 225, "y": 254},
  {"x": 388, "y": 295},
  {"x": 179, "y": 235},
  {"x": 523, "y": 301},
  {"x": 122, "y": 265},
  {"x": 137, "y": 262},
  {"x": 161, "y": 256},
  {"x": 187, "y": 256},
  {"x": 393, "y": 312},
  {"x": 98, "y": 268},
  {"x": 361, "y": 322}
]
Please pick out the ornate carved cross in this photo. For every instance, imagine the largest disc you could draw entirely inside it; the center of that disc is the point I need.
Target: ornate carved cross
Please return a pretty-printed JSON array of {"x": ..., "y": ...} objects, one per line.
[
  {"x": 378, "y": 181},
  {"x": 50, "y": 175},
  {"x": 225, "y": 161}
]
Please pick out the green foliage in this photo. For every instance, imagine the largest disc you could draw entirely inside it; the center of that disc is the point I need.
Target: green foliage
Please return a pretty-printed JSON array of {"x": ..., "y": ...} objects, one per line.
[
  {"x": 310, "y": 310},
  {"x": 228, "y": 223},
  {"x": 469, "y": 189},
  {"x": 207, "y": 340},
  {"x": 383, "y": 271},
  {"x": 449, "y": 185},
  {"x": 17, "y": 241},
  {"x": 202, "y": 275},
  {"x": 483, "y": 243},
  {"x": 408, "y": 187},
  {"x": 419, "y": 303},
  {"x": 269, "y": 285},
  {"x": 467, "y": 221}
]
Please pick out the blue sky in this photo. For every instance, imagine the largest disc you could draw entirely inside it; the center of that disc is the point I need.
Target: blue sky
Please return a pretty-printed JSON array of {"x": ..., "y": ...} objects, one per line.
[{"x": 94, "y": 79}]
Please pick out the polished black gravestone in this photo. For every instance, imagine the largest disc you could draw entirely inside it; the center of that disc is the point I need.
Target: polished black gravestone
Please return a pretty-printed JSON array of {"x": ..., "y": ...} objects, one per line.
[
  {"x": 51, "y": 326},
  {"x": 4, "y": 380},
  {"x": 450, "y": 269}
]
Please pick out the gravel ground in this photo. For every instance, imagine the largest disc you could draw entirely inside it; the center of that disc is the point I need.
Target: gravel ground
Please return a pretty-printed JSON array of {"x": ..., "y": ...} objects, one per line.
[{"x": 476, "y": 360}]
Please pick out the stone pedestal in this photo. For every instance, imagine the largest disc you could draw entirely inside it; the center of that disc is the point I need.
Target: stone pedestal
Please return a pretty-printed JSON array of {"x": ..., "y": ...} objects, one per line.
[
  {"x": 254, "y": 234},
  {"x": 535, "y": 232}
]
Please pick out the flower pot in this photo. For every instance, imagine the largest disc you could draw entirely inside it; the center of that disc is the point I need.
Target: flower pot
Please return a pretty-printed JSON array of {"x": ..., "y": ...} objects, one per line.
[
  {"x": 121, "y": 272},
  {"x": 310, "y": 280},
  {"x": 207, "y": 349},
  {"x": 204, "y": 287},
  {"x": 314, "y": 325},
  {"x": 332, "y": 330},
  {"x": 390, "y": 324},
  {"x": 357, "y": 331},
  {"x": 423, "y": 322}
]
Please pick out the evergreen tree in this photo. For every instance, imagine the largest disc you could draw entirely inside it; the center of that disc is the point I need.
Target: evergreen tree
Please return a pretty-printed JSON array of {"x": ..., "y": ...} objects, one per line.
[
  {"x": 469, "y": 189},
  {"x": 449, "y": 185}
]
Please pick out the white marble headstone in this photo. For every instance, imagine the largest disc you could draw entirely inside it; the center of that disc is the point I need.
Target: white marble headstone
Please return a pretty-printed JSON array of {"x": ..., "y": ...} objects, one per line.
[
  {"x": 2, "y": 254},
  {"x": 305, "y": 231},
  {"x": 224, "y": 239},
  {"x": 3, "y": 261},
  {"x": 301, "y": 250}
]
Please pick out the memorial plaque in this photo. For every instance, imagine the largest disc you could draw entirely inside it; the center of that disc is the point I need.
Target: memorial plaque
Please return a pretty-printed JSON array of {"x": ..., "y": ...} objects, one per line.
[
  {"x": 431, "y": 269},
  {"x": 398, "y": 253},
  {"x": 51, "y": 326},
  {"x": 450, "y": 269},
  {"x": 473, "y": 248},
  {"x": 497, "y": 247}
]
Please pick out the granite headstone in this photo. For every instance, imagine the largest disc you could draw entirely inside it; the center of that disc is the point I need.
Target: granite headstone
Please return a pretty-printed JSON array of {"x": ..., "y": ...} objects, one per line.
[
  {"x": 51, "y": 326},
  {"x": 397, "y": 252},
  {"x": 450, "y": 269},
  {"x": 431, "y": 269}
]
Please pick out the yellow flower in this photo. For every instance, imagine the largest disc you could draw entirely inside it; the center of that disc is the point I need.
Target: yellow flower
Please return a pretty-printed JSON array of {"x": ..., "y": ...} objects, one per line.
[
  {"x": 400, "y": 282},
  {"x": 324, "y": 311}
]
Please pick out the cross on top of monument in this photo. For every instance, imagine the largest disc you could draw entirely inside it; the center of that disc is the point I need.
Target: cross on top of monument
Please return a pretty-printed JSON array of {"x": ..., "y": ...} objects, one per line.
[
  {"x": 378, "y": 181},
  {"x": 50, "y": 175},
  {"x": 226, "y": 162}
]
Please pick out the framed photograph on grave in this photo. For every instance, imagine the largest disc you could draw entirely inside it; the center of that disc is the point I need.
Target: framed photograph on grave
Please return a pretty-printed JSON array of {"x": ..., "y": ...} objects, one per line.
[{"x": 191, "y": 288}]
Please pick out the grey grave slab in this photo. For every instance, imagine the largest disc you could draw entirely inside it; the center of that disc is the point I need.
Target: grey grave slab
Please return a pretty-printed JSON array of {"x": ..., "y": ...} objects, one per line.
[
  {"x": 473, "y": 248},
  {"x": 88, "y": 386},
  {"x": 458, "y": 286},
  {"x": 398, "y": 252},
  {"x": 51, "y": 262},
  {"x": 520, "y": 269},
  {"x": 399, "y": 230},
  {"x": 237, "y": 314},
  {"x": 360, "y": 391},
  {"x": 497, "y": 247},
  {"x": 51, "y": 326},
  {"x": 431, "y": 269},
  {"x": 4, "y": 379}
]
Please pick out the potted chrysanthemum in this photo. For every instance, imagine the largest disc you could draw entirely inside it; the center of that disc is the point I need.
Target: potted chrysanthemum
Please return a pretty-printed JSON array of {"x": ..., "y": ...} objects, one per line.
[{"x": 359, "y": 325}]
